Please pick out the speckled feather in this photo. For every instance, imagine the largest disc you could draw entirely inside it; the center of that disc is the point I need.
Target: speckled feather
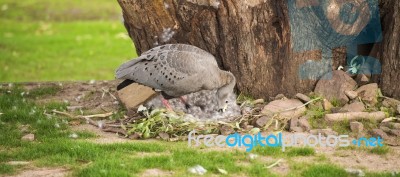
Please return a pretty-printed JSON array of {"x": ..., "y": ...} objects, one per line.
[{"x": 176, "y": 69}]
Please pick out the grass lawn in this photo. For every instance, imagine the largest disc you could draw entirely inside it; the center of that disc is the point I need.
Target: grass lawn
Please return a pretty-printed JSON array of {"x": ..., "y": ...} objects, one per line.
[
  {"x": 54, "y": 147},
  {"x": 46, "y": 40}
]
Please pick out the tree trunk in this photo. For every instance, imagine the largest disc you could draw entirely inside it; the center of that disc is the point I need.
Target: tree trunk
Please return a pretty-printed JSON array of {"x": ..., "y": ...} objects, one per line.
[
  {"x": 251, "y": 38},
  {"x": 390, "y": 48}
]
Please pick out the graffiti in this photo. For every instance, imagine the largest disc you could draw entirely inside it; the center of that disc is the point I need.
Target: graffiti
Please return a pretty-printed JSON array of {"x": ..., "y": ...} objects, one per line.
[{"x": 327, "y": 24}]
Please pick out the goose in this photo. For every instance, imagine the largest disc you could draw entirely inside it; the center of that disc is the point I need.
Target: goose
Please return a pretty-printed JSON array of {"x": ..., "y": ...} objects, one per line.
[{"x": 176, "y": 70}]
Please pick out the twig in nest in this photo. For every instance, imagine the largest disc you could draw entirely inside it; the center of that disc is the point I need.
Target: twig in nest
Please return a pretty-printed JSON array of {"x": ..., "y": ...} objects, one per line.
[
  {"x": 108, "y": 91},
  {"x": 115, "y": 130},
  {"x": 98, "y": 115},
  {"x": 65, "y": 114},
  {"x": 303, "y": 105},
  {"x": 274, "y": 164},
  {"x": 84, "y": 117}
]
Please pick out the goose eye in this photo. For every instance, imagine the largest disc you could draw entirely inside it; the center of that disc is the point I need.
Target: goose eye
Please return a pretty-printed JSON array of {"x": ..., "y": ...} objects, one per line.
[{"x": 226, "y": 101}]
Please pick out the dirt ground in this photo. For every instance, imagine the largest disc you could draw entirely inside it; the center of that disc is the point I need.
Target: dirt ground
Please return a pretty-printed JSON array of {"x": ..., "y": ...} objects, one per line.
[{"x": 99, "y": 97}]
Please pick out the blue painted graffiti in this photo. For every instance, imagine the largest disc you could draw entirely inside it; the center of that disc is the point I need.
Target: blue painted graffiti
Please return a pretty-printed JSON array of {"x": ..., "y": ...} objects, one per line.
[{"x": 327, "y": 24}]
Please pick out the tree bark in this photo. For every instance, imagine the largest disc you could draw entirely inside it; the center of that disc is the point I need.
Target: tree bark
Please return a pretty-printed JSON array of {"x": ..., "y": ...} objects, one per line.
[
  {"x": 250, "y": 38},
  {"x": 390, "y": 48}
]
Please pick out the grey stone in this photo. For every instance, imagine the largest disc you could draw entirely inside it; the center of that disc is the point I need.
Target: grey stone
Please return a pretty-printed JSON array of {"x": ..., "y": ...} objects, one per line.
[
  {"x": 391, "y": 125},
  {"x": 395, "y": 125},
  {"x": 351, "y": 94},
  {"x": 293, "y": 122},
  {"x": 398, "y": 109},
  {"x": 164, "y": 136},
  {"x": 262, "y": 121},
  {"x": 280, "y": 97},
  {"x": 390, "y": 103},
  {"x": 356, "y": 127},
  {"x": 303, "y": 98},
  {"x": 327, "y": 105},
  {"x": 28, "y": 137},
  {"x": 353, "y": 107},
  {"x": 226, "y": 130},
  {"x": 284, "y": 108},
  {"x": 395, "y": 132},
  {"x": 385, "y": 129},
  {"x": 362, "y": 79},
  {"x": 325, "y": 132},
  {"x": 296, "y": 129},
  {"x": 379, "y": 133},
  {"x": 336, "y": 87},
  {"x": 303, "y": 123},
  {"x": 356, "y": 172},
  {"x": 135, "y": 95},
  {"x": 369, "y": 94},
  {"x": 335, "y": 110}
]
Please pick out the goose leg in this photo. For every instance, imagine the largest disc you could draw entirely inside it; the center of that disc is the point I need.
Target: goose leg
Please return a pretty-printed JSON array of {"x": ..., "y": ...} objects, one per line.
[
  {"x": 183, "y": 100},
  {"x": 166, "y": 104}
]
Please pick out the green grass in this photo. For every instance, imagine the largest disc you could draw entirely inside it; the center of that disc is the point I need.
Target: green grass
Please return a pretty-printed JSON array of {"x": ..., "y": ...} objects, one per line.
[
  {"x": 324, "y": 170},
  {"x": 45, "y": 40},
  {"x": 42, "y": 91},
  {"x": 380, "y": 150},
  {"x": 54, "y": 148},
  {"x": 316, "y": 117}
]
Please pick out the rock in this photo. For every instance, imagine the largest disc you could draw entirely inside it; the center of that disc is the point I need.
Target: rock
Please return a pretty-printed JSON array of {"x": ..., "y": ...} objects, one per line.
[
  {"x": 248, "y": 127},
  {"x": 362, "y": 79},
  {"x": 73, "y": 136},
  {"x": 395, "y": 125},
  {"x": 280, "y": 97},
  {"x": 369, "y": 94},
  {"x": 356, "y": 127},
  {"x": 335, "y": 87},
  {"x": 24, "y": 129},
  {"x": 164, "y": 136},
  {"x": 303, "y": 98},
  {"x": 379, "y": 133},
  {"x": 391, "y": 103},
  {"x": 197, "y": 170},
  {"x": 296, "y": 129},
  {"x": 252, "y": 156},
  {"x": 135, "y": 136},
  {"x": 281, "y": 107},
  {"x": 351, "y": 94},
  {"x": 395, "y": 132},
  {"x": 303, "y": 123},
  {"x": 325, "y": 132},
  {"x": 246, "y": 110},
  {"x": 262, "y": 121},
  {"x": 316, "y": 105},
  {"x": 28, "y": 137},
  {"x": 327, "y": 105},
  {"x": 356, "y": 172},
  {"x": 293, "y": 122},
  {"x": 354, "y": 116},
  {"x": 385, "y": 129},
  {"x": 336, "y": 109},
  {"x": 135, "y": 95},
  {"x": 259, "y": 101},
  {"x": 353, "y": 107},
  {"x": 226, "y": 130},
  {"x": 391, "y": 125},
  {"x": 398, "y": 109}
]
